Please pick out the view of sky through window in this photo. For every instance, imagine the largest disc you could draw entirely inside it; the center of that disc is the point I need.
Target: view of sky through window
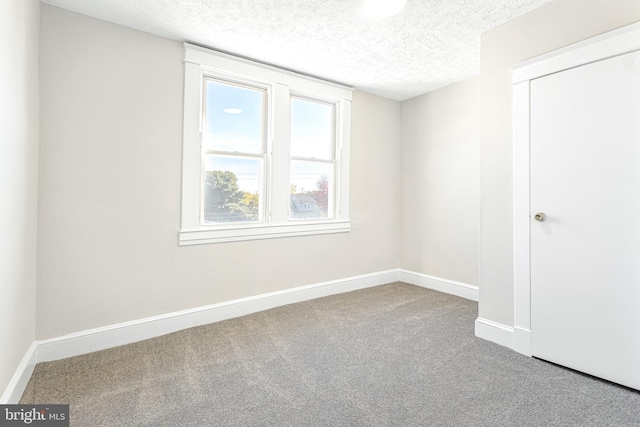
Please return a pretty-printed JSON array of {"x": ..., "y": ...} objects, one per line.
[
  {"x": 234, "y": 118},
  {"x": 311, "y": 129},
  {"x": 305, "y": 175}
]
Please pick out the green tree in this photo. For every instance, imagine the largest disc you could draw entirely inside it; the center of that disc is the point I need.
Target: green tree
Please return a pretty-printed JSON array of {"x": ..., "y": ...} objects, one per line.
[
  {"x": 251, "y": 205},
  {"x": 223, "y": 197}
]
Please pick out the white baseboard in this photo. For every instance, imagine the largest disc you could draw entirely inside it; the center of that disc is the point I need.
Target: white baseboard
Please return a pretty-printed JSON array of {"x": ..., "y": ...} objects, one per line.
[
  {"x": 17, "y": 384},
  {"x": 128, "y": 332},
  {"x": 494, "y": 332},
  {"x": 522, "y": 340},
  {"x": 436, "y": 283},
  {"x": 91, "y": 340}
]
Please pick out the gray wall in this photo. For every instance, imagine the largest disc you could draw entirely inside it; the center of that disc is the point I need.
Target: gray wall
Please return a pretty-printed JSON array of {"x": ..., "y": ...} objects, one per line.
[
  {"x": 558, "y": 24},
  {"x": 440, "y": 189},
  {"x": 19, "y": 32},
  {"x": 110, "y": 171}
]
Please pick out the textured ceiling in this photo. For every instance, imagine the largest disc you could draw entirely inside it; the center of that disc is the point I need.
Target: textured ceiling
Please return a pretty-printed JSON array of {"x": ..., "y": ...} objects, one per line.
[{"x": 428, "y": 45}]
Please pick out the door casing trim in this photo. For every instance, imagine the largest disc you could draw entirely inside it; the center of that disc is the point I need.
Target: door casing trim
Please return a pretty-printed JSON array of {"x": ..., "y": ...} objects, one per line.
[{"x": 614, "y": 43}]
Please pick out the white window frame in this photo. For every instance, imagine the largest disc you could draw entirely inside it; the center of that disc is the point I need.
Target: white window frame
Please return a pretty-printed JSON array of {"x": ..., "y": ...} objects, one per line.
[{"x": 281, "y": 84}]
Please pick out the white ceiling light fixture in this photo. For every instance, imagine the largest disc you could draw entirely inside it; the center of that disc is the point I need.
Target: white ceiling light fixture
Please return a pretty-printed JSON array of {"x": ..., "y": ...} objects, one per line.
[
  {"x": 383, "y": 8},
  {"x": 232, "y": 110}
]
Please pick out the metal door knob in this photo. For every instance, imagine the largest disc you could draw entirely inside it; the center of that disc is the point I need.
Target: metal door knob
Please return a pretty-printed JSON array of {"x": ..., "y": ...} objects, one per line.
[{"x": 540, "y": 216}]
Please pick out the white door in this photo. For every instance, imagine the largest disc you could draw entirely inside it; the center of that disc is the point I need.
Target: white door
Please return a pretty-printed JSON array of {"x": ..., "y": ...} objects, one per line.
[{"x": 585, "y": 255}]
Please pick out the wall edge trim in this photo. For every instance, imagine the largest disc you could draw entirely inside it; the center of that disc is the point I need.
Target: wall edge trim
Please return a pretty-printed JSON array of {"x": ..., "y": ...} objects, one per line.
[
  {"x": 118, "y": 334},
  {"x": 463, "y": 290},
  {"x": 495, "y": 332},
  {"x": 18, "y": 382}
]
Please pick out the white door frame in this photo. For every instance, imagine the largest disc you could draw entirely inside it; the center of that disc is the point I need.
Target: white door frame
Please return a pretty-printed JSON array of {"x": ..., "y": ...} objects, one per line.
[{"x": 618, "y": 42}]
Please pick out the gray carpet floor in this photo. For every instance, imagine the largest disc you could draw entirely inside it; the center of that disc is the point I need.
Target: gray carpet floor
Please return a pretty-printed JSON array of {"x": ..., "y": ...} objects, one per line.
[{"x": 393, "y": 355}]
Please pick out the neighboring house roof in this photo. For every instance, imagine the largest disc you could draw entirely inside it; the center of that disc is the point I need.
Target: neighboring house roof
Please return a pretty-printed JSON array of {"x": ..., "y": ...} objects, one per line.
[{"x": 304, "y": 206}]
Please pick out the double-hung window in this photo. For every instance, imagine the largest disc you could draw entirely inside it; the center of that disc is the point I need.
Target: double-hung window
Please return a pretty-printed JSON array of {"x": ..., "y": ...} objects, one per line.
[{"x": 265, "y": 152}]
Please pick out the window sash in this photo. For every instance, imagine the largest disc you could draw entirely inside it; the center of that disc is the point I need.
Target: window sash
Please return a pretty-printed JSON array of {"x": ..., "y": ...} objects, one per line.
[{"x": 264, "y": 116}]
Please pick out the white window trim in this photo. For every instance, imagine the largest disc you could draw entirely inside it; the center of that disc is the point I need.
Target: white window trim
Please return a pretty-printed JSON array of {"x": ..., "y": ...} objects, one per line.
[{"x": 200, "y": 62}]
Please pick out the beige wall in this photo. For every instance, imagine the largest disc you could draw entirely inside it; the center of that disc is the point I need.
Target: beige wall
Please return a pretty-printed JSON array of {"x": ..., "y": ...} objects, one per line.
[
  {"x": 560, "y": 23},
  {"x": 440, "y": 189},
  {"x": 110, "y": 189},
  {"x": 19, "y": 29}
]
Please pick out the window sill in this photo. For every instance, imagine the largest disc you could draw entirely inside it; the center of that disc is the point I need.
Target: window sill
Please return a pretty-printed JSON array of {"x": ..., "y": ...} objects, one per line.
[{"x": 238, "y": 234}]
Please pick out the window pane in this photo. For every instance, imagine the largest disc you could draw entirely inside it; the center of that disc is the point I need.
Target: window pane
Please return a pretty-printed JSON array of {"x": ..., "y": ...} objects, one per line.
[
  {"x": 312, "y": 129},
  {"x": 232, "y": 189},
  {"x": 234, "y": 118},
  {"x": 311, "y": 190}
]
